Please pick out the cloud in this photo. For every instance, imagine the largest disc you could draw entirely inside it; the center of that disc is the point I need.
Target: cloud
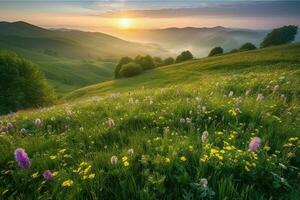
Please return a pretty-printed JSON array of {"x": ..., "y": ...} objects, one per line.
[{"x": 227, "y": 9}]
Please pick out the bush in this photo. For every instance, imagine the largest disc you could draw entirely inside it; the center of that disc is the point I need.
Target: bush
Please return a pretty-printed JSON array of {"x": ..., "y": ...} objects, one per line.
[
  {"x": 216, "y": 51},
  {"x": 184, "y": 56},
  {"x": 130, "y": 69},
  {"x": 283, "y": 35},
  {"x": 22, "y": 85},
  {"x": 158, "y": 61},
  {"x": 123, "y": 61},
  {"x": 146, "y": 62},
  {"x": 247, "y": 47},
  {"x": 169, "y": 61}
]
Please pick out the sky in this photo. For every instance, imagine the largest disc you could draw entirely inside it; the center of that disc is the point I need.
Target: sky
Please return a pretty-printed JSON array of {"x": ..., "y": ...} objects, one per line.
[{"x": 110, "y": 15}]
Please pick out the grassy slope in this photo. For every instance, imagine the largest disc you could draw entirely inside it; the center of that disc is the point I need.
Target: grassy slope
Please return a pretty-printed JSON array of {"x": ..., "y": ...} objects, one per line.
[
  {"x": 163, "y": 122},
  {"x": 200, "y": 71}
]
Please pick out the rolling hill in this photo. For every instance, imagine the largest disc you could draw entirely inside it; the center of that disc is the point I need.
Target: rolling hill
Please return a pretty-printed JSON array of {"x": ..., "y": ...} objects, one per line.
[
  {"x": 70, "y": 59},
  {"x": 226, "y": 127}
]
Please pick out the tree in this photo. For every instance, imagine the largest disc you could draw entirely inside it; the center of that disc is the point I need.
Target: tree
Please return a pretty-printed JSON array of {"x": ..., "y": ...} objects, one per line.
[
  {"x": 247, "y": 47},
  {"x": 283, "y": 35},
  {"x": 168, "y": 61},
  {"x": 158, "y": 61},
  {"x": 216, "y": 51},
  {"x": 146, "y": 62},
  {"x": 22, "y": 85},
  {"x": 130, "y": 69},
  {"x": 122, "y": 61},
  {"x": 184, "y": 56}
]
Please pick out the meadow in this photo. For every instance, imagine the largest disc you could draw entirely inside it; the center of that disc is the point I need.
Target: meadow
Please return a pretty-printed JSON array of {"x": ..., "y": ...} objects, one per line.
[{"x": 225, "y": 127}]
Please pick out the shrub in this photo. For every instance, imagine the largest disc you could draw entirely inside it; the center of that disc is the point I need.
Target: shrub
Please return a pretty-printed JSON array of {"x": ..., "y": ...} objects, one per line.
[
  {"x": 22, "y": 85},
  {"x": 130, "y": 69},
  {"x": 169, "y": 61},
  {"x": 283, "y": 35},
  {"x": 146, "y": 62},
  {"x": 216, "y": 51},
  {"x": 184, "y": 56},
  {"x": 123, "y": 61},
  {"x": 158, "y": 61},
  {"x": 247, "y": 47}
]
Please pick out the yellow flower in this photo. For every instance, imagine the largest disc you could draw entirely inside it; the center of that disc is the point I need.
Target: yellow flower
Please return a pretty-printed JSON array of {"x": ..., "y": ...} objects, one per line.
[
  {"x": 52, "y": 157},
  {"x": 91, "y": 176},
  {"x": 191, "y": 148},
  {"x": 67, "y": 183},
  {"x": 182, "y": 158},
  {"x": 35, "y": 175},
  {"x": 87, "y": 169},
  {"x": 124, "y": 158},
  {"x": 126, "y": 163},
  {"x": 167, "y": 160},
  {"x": 62, "y": 151},
  {"x": 232, "y": 112},
  {"x": 83, "y": 164}
]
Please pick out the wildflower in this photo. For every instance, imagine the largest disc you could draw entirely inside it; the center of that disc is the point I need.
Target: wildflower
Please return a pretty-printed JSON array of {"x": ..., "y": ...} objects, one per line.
[
  {"x": 260, "y": 97},
  {"x": 38, "y": 122},
  {"x": 232, "y": 112},
  {"x": 124, "y": 158},
  {"x": 22, "y": 158},
  {"x": 35, "y": 175},
  {"x": 91, "y": 176},
  {"x": 230, "y": 94},
  {"x": 203, "y": 182},
  {"x": 114, "y": 160},
  {"x": 204, "y": 136},
  {"x": 276, "y": 88},
  {"x": 81, "y": 129},
  {"x": 9, "y": 126},
  {"x": 126, "y": 163},
  {"x": 130, "y": 152},
  {"x": 23, "y": 131},
  {"x": 254, "y": 144},
  {"x": 167, "y": 160},
  {"x": 247, "y": 92},
  {"x": 52, "y": 157},
  {"x": 67, "y": 183},
  {"x": 48, "y": 175},
  {"x": 182, "y": 120},
  {"x": 183, "y": 158},
  {"x": 111, "y": 123}
]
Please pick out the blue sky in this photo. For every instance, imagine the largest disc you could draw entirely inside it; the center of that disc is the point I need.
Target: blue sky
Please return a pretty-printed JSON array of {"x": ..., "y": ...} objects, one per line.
[{"x": 102, "y": 14}]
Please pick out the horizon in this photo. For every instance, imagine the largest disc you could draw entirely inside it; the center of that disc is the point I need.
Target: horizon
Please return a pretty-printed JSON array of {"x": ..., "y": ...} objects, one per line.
[{"x": 121, "y": 15}]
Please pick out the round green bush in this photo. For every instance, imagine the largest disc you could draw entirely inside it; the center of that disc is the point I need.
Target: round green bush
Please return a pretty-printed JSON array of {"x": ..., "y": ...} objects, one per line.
[
  {"x": 130, "y": 69},
  {"x": 22, "y": 85},
  {"x": 216, "y": 51},
  {"x": 247, "y": 47},
  {"x": 184, "y": 56}
]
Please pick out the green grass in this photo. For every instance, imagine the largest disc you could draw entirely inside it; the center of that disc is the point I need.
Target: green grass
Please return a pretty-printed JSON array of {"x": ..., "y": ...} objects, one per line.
[{"x": 161, "y": 115}]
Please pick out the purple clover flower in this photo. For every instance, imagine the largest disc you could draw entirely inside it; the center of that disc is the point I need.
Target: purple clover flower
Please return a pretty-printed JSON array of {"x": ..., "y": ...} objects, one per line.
[
  {"x": 48, "y": 175},
  {"x": 22, "y": 158},
  {"x": 254, "y": 144}
]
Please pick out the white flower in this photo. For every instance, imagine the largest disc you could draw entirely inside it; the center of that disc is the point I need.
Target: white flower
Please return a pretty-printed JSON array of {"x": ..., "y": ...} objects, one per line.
[
  {"x": 204, "y": 136},
  {"x": 114, "y": 160},
  {"x": 203, "y": 182},
  {"x": 130, "y": 152},
  {"x": 111, "y": 122},
  {"x": 230, "y": 94},
  {"x": 282, "y": 166},
  {"x": 276, "y": 88},
  {"x": 182, "y": 120},
  {"x": 260, "y": 97},
  {"x": 38, "y": 122}
]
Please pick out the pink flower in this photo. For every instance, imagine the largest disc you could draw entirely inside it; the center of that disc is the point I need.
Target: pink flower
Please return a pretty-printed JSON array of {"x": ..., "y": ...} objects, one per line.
[
  {"x": 254, "y": 144},
  {"x": 48, "y": 175},
  {"x": 22, "y": 158},
  {"x": 9, "y": 126}
]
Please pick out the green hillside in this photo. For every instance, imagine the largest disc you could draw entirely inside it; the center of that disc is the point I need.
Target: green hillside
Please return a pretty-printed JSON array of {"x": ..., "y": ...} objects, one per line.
[
  {"x": 226, "y": 127},
  {"x": 260, "y": 64}
]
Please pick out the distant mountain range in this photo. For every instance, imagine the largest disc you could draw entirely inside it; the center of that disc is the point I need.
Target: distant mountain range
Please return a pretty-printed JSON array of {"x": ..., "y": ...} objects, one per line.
[
  {"x": 70, "y": 43},
  {"x": 199, "y": 40}
]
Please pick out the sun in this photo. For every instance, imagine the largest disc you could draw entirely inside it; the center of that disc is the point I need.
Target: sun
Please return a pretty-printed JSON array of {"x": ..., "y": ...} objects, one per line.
[{"x": 125, "y": 23}]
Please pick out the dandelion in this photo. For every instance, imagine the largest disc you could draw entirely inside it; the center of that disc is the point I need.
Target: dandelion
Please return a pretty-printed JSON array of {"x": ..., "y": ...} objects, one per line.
[
  {"x": 276, "y": 88},
  {"x": 23, "y": 131},
  {"x": 114, "y": 160},
  {"x": 111, "y": 123},
  {"x": 126, "y": 163},
  {"x": 48, "y": 175},
  {"x": 260, "y": 97},
  {"x": 203, "y": 182},
  {"x": 130, "y": 152},
  {"x": 67, "y": 183},
  {"x": 254, "y": 144},
  {"x": 204, "y": 136},
  {"x": 183, "y": 158},
  {"x": 22, "y": 158},
  {"x": 38, "y": 122},
  {"x": 35, "y": 175}
]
